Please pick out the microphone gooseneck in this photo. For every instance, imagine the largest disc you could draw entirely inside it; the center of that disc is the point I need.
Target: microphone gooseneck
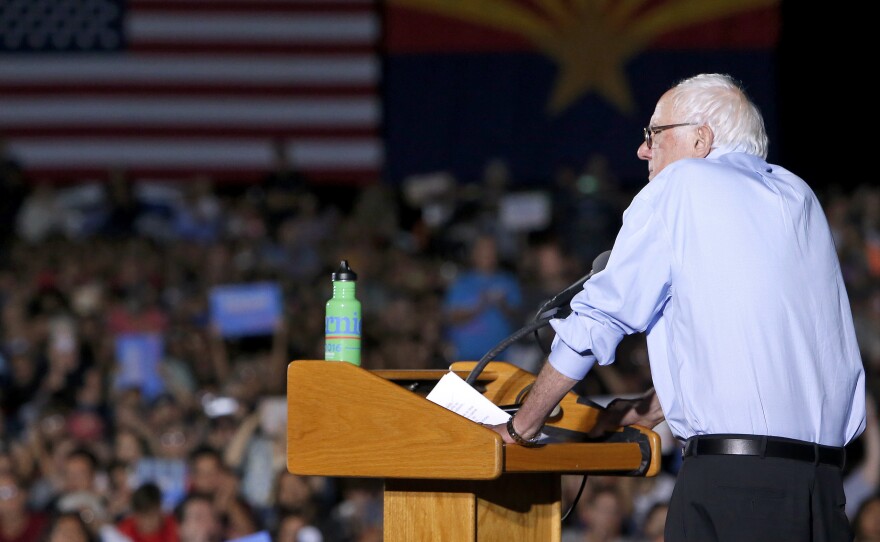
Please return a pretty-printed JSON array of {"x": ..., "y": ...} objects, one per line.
[
  {"x": 564, "y": 297},
  {"x": 547, "y": 312}
]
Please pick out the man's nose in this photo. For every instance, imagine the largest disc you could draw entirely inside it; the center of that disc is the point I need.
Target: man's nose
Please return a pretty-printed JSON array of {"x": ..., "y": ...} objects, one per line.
[{"x": 644, "y": 152}]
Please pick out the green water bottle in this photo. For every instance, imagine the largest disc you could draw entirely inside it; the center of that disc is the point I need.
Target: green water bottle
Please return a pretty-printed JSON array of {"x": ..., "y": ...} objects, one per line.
[{"x": 342, "y": 325}]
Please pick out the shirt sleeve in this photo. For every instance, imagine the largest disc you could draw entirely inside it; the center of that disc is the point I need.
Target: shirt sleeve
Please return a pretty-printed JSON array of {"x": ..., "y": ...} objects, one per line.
[{"x": 622, "y": 299}]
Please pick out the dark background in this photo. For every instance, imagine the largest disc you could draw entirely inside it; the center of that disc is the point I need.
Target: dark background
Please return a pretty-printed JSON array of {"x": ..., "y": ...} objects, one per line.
[{"x": 825, "y": 136}]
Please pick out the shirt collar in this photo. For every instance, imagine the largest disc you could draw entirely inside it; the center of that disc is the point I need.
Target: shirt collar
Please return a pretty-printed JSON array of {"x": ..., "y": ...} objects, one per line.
[{"x": 718, "y": 152}]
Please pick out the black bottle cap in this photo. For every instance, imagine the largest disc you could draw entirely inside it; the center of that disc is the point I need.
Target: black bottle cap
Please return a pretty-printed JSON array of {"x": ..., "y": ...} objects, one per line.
[{"x": 344, "y": 272}]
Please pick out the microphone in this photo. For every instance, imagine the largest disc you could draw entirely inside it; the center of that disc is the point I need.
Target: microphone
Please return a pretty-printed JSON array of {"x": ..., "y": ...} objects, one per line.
[{"x": 561, "y": 300}]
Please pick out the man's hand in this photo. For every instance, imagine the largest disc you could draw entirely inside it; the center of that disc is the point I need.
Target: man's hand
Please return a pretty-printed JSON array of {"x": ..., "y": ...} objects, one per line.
[
  {"x": 644, "y": 411},
  {"x": 546, "y": 392},
  {"x": 501, "y": 429}
]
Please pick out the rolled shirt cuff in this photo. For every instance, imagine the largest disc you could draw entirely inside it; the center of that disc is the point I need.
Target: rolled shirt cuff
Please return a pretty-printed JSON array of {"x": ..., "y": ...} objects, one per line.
[{"x": 568, "y": 362}]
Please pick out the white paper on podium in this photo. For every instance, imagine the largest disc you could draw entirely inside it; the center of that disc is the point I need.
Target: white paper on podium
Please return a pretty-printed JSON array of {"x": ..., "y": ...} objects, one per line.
[{"x": 453, "y": 393}]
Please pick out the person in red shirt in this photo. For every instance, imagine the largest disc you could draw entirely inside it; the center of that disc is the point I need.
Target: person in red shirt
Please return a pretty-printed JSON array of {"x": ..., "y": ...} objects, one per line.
[
  {"x": 147, "y": 521},
  {"x": 17, "y": 522}
]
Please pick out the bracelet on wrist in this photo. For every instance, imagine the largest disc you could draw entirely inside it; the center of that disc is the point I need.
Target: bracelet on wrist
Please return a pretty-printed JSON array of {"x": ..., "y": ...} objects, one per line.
[{"x": 528, "y": 443}]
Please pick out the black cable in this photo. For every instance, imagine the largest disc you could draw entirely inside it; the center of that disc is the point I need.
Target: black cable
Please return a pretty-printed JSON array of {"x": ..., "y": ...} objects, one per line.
[
  {"x": 576, "y": 499},
  {"x": 542, "y": 318},
  {"x": 490, "y": 355}
]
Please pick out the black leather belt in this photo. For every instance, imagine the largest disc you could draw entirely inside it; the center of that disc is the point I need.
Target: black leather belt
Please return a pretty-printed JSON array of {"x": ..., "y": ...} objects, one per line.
[{"x": 779, "y": 447}]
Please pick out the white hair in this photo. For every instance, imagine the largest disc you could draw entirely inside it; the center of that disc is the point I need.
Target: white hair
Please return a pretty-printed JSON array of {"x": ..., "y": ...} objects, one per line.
[{"x": 719, "y": 102}]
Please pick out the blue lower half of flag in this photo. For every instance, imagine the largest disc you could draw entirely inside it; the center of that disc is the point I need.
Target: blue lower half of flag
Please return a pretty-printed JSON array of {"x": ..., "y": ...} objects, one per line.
[{"x": 457, "y": 111}]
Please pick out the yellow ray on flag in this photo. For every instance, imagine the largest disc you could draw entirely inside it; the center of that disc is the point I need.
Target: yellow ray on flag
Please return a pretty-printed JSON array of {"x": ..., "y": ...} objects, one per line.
[{"x": 591, "y": 41}]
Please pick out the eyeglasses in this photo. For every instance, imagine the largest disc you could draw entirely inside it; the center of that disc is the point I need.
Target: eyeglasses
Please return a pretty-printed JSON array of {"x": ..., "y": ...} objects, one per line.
[{"x": 651, "y": 131}]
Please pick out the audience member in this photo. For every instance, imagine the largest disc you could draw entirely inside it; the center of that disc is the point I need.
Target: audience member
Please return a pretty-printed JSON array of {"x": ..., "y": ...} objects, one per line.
[
  {"x": 863, "y": 479},
  {"x": 92, "y": 508},
  {"x": 655, "y": 522},
  {"x": 198, "y": 217},
  {"x": 209, "y": 476},
  {"x": 69, "y": 527},
  {"x": 147, "y": 521},
  {"x": 198, "y": 519},
  {"x": 281, "y": 188},
  {"x": 122, "y": 207},
  {"x": 14, "y": 192},
  {"x": 481, "y": 303},
  {"x": 866, "y": 523},
  {"x": 602, "y": 515},
  {"x": 17, "y": 522},
  {"x": 293, "y": 527},
  {"x": 39, "y": 215}
]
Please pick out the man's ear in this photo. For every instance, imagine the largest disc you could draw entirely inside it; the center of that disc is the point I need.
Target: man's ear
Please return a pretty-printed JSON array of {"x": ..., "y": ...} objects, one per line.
[{"x": 703, "y": 142}]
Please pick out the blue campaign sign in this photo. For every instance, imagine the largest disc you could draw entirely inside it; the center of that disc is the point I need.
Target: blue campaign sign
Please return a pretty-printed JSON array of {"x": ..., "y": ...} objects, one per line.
[
  {"x": 262, "y": 536},
  {"x": 246, "y": 309},
  {"x": 138, "y": 356}
]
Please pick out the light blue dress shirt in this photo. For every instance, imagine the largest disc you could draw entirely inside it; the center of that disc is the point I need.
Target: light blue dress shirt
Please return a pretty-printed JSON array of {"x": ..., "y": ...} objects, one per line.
[{"x": 728, "y": 265}]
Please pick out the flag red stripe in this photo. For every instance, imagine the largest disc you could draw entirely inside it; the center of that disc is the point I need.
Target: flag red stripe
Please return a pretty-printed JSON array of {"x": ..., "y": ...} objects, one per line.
[
  {"x": 414, "y": 30},
  {"x": 246, "y": 49}
]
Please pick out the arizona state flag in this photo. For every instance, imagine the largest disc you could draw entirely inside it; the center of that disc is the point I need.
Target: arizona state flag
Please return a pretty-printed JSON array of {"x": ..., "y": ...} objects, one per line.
[{"x": 542, "y": 83}]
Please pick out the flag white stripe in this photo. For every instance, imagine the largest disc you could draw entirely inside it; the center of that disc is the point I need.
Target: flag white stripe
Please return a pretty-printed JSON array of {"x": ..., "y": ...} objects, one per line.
[
  {"x": 192, "y": 69},
  {"x": 260, "y": 28},
  {"x": 333, "y": 154},
  {"x": 189, "y": 111}
]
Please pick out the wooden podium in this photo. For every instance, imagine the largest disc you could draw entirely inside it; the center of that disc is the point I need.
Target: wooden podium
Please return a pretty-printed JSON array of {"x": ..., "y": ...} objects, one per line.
[{"x": 446, "y": 477}]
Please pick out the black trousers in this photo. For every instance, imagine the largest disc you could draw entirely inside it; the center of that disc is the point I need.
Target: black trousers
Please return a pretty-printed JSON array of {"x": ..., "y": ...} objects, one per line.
[{"x": 721, "y": 498}]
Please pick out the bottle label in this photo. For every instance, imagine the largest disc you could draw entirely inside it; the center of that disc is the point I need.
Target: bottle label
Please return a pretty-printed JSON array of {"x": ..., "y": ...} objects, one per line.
[
  {"x": 343, "y": 325},
  {"x": 342, "y": 336}
]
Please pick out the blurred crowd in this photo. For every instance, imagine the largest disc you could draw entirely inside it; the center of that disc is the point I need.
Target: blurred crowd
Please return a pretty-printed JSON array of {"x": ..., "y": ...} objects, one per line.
[{"x": 447, "y": 268}]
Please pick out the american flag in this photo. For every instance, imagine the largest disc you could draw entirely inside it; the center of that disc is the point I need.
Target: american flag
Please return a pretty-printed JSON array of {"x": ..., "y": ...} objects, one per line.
[{"x": 174, "y": 88}]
